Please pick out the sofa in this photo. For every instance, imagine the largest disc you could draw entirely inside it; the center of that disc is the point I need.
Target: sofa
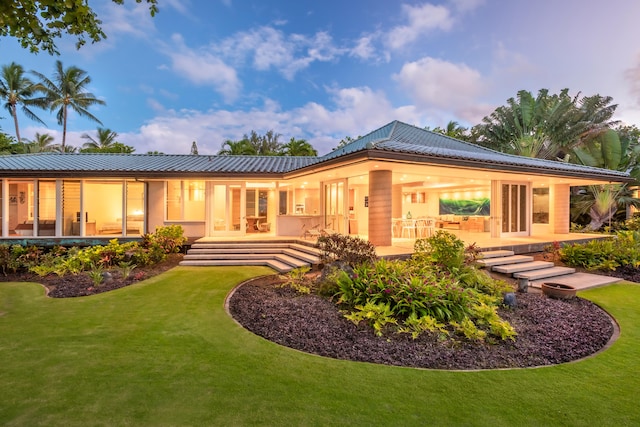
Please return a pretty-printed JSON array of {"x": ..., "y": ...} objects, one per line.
[
  {"x": 46, "y": 227},
  {"x": 463, "y": 222}
]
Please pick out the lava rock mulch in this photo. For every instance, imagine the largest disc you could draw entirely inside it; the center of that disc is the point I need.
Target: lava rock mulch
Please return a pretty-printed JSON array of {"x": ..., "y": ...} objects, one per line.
[
  {"x": 550, "y": 331},
  {"x": 78, "y": 285}
]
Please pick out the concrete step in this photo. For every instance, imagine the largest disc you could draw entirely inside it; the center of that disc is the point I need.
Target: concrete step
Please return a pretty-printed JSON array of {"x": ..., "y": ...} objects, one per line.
[
  {"x": 525, "y": 266},
  {"x": 279, "y": 266},
  {"x": 496, "y": 254},
  {"x": 514, "y": 259},
  {"x": 544, "y": 273},
  {"x": 291, "y": 260},
  {"x": 311, "y": 256},
  {"x": 578, "y": 280}
]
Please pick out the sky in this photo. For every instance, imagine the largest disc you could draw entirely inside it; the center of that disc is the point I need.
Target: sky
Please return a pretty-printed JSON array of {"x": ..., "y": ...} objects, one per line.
[{"x": 213, "y": 70}]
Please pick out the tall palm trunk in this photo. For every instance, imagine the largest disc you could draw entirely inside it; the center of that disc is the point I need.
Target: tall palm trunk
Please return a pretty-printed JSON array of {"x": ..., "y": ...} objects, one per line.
[{"x": 15, "y": 120}]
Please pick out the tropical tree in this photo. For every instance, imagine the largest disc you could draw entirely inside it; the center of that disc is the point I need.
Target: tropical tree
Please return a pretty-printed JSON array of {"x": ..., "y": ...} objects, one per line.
[
  {"x": 106, "y": 139},
  {"x": 603, "y": 202},
  {"x": 66, "y": 149},
  {"x": 265, "y": 145},
  {"x": 6, "y": 143},
  {"x": 546, "y": 126},
  {"x": 237, "y": 148},
  {"x": 41, "y": 143},
  {"x": 67, "y": 90},
  {"x": 298, "y": 147},
  {"x": 16, "y": 89},
  {"x": 37, "y": 23},
  {"x": 347, "y": 140},
  {"x": 453, "y": 130}
]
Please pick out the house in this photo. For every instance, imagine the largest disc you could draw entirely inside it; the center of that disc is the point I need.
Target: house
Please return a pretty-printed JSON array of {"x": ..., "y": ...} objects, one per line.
[{"x": 370, "y": 187}]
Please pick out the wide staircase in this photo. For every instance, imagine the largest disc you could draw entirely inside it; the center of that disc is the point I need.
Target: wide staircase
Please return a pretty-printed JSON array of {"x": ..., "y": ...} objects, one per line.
[
  {"x": 282, "y": 256},
  {"x": 534, "y": 273}
]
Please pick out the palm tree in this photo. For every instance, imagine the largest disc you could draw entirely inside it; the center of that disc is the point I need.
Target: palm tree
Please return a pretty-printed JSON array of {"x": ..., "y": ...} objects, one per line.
[
  {"x": 106, "y": 140},
  {"x": 298, "y": 147},
  {"x": 41, "y": 143},
  {"x": 16, "y": 89},
  {"x": 237, "y": 148},
  {"x": 453, "y": 130},
  {"x": 67, "y": 90}
]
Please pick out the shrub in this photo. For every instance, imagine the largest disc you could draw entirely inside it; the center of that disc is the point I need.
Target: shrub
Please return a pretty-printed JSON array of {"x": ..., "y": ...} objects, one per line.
[
  {"x": 297, "y": 280},
  {"x": 443, "y": 248},
  {"x": 165, "y": 240},
  {"x": 352, "y": 250},
  {"x": 376, "y": 315},
  {"x": 604, "y": 254}
]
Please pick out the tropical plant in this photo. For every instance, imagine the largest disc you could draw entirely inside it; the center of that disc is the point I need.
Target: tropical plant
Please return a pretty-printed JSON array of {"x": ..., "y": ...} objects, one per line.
[
  {"x": 348, "y": 249},
  {"x": 106, "y": 139},
  {"x": 15, "y": 90},
  {"x": 41, "y": 143},
  {"x": 37, "y": 23},
  {"x": 237, "y": 148},
  {"x": 68, "y": 89},
  {"x": 298, "y": 147},
  {"x": 546, "y": 126},
  {"x": 603, "y": 202},
  {"x": 453, "y": 130}
]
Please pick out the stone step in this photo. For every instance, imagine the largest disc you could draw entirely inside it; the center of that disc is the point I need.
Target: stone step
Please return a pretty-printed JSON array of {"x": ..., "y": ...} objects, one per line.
[
  {"x": 279, "y": 266},
  {"x": 578, "y": 280},
  {"x": 514, "y": 259},
  {"x": 291, "y": 260},
  {"x": 308, "y": 255},
  {"x": 525, "y": 266},
  {"x": 544, "y": 273},
  {"x": 496, "y": 254}
]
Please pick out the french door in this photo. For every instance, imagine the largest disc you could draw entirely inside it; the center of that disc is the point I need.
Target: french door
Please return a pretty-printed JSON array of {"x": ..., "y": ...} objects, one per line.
[
  {"x": 227, "y": 209},
  {"x": 334, "y": 206},
  {"x": 515, "y": 208}
]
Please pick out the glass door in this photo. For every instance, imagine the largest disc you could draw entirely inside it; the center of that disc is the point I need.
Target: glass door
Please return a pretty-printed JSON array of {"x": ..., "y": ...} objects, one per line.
[
  {"x": 515, "y": 208},
  {"x": 334, "y": 206},
  {"x": 227, "y": 210}
]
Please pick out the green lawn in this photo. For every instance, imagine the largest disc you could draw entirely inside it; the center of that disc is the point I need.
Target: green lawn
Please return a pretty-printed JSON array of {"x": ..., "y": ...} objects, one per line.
[{"x": 164, "y": 352}]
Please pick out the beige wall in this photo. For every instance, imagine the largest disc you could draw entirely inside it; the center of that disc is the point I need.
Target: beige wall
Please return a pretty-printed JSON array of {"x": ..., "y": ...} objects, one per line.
[
  {"x": 380, "y": 196},
  {"x": 559, "y": 209}
]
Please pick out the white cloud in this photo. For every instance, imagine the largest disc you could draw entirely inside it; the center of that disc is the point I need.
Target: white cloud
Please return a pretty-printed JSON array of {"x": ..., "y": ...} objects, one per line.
[
  {"x": 203, "y": 68},
  {"x": 129, "y": 21},
  {"x": 354, "y": 111},
  {"x": 270, "y": 48},
  {"x": 632, "y": 76},
  {"x": 436, "y": 84},
  {"x": 421, "y": 20},
  {"x": 466, "y": 5}
]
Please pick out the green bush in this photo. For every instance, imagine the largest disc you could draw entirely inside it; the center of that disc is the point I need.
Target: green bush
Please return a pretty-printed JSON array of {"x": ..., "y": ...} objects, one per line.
[
  {"x": 438, "y": 286},
  {"x": 352, "y": 250},
  {"x": 60, "y": 261},
  {"x": 604, "y": 254}
]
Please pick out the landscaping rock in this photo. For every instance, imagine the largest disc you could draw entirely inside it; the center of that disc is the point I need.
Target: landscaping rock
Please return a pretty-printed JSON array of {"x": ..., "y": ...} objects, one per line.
[{"x": 550, "y": 331}]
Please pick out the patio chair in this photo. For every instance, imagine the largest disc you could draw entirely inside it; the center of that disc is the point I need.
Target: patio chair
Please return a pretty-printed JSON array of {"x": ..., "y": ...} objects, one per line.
[
  {"x": 311, "y": 232},
  {"x": 264, "y": 227}
]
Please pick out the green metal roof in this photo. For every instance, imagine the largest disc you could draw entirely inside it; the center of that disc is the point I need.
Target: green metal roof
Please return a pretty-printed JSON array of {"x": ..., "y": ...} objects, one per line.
[
  {"x": 92, "y": 164},
  {"x": 393, "y": 140},
  {"x": 398, "y": 137}
]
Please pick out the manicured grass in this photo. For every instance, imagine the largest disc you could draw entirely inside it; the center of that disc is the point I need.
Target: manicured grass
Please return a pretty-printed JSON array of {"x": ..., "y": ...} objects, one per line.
[{"x": 164, "y": 352}]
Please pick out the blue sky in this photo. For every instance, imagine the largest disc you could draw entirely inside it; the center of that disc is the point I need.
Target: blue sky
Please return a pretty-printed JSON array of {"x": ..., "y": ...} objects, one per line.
[{"x": 211, "y": 70}]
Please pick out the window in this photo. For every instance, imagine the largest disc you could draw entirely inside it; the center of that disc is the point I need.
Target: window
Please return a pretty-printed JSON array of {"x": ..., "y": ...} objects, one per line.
[
  {"x": 185, "y": 200},
  {"x": 541, "y": 206}
]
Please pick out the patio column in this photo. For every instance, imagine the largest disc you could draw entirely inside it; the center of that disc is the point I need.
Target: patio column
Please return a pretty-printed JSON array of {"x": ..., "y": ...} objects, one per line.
[
  {"x": 380, "y": 197},
  {"x": 560, "y": 209}
]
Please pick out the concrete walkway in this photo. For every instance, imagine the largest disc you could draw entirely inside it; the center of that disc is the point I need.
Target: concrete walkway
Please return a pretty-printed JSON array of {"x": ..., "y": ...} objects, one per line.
[{"x": 535, "y": 273}]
